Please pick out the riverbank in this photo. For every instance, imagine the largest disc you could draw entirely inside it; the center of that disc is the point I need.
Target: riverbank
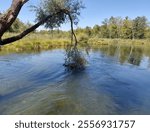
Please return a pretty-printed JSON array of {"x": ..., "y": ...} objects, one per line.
[{"x": 37, "y": 42}]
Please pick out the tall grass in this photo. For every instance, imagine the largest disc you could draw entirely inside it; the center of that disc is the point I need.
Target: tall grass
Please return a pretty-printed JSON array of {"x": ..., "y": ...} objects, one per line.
[
  {"x": 101, "y": 41},
  {"x": 45, "y": 41},
  {"x": 36, "y": 42}
]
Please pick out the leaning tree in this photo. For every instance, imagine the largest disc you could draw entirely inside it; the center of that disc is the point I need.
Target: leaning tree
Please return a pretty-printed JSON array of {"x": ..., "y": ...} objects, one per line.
[{"x": 50, "y": 13}]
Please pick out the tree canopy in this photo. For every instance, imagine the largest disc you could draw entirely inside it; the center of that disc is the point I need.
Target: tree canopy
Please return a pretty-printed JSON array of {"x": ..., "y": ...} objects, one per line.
[
  {"x": 117, "y": 27},
  {"x": 61, "y": 9},
  {"x": 51, "y": 13}
]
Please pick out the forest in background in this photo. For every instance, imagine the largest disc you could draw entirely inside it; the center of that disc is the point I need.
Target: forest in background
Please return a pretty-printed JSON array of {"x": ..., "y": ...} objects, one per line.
[
  {"x": 115, "y": 30},
  {"x": 113, "y": 27}
]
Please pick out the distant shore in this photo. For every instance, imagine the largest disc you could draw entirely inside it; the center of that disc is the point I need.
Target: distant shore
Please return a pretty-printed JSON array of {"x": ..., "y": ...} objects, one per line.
[{"x": 37, "y": 42}]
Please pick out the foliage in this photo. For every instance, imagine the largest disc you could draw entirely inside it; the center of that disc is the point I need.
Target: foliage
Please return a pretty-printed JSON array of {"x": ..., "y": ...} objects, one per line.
[
  {"x": 60, "y": 39},
  {"x": 61, "y": 11},
  {"x": 117, "y": 27},
  {"x": 139, "y": 27},
  {"x": 127, "y": 29},
  {"x": 51, "y": 13},
  {"x": 18, "y": 26},
  {"x": 52, "y": 7},
  {"x": 37, "y": 42},
  {"x": 74, "y": 60},
  {"x": 114, "y": 27}
]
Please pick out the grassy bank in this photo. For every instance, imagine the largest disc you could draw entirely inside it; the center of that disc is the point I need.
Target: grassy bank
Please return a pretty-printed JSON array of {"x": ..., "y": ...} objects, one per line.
[
  {"x": 37, "y": 42},
  {"x": 100, "y": 41}
]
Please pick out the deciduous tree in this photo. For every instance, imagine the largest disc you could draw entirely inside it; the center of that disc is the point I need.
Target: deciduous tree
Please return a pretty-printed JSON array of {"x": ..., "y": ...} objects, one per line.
[{"x": 51, "y": 13}]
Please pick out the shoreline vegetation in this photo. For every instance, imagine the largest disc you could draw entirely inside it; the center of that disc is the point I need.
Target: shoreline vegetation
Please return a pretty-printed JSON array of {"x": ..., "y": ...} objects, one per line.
[
  {"x": 40, "y": 41},
  {"x": 112, "y": 31}
]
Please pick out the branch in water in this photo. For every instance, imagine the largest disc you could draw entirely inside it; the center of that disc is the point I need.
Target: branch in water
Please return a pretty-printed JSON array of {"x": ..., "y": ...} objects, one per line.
[{"x": 73, "y": 35}]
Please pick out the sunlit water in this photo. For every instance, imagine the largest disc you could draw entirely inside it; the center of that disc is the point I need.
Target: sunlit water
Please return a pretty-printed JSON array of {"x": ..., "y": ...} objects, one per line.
[{"x": 115, "y": 81}]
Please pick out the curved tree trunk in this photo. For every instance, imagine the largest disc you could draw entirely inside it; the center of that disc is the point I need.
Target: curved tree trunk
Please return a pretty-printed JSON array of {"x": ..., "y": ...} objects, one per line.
[
  {"x": 73, "y": 35},
  {"x": 26, "y": 32},
  {"x": 8, "y": 18}
]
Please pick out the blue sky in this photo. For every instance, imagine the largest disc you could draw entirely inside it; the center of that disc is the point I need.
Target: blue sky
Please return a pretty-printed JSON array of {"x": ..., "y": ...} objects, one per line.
[{"x": 95, "y": 12}]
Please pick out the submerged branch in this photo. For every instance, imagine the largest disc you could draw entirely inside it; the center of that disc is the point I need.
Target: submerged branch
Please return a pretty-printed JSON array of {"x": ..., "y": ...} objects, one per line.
[{"x": 74, "y": 58}]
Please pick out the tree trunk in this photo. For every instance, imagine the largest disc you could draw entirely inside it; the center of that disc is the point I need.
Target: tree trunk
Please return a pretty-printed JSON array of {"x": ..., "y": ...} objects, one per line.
[
  {"x": 7, "y": 19},
  {"x": 73, "y": 35},
  {"x": 26, "y": 32}
]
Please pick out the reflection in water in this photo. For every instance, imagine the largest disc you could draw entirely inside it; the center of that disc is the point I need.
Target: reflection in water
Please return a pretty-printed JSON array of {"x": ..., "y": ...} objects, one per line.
[
  {"x": 38, "y": 83},
  {"x": 127, "y": 54}
]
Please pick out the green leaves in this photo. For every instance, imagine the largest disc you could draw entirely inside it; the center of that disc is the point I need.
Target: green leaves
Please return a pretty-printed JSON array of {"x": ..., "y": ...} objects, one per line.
[
  {"x": 18, "y": 26},
  {"x": 51, "y": 7},
  {"x": 139, "y": 27}
]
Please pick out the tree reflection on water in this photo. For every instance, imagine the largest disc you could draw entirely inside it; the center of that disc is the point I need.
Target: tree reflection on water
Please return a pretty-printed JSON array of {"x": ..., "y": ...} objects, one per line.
[{"x": 126, "y": 54}]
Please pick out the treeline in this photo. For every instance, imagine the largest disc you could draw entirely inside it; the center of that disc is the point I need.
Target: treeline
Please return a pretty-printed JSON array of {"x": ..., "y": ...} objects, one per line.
[
  {"x": 117, "y": 27},
  {"x": 114, "y": 27}
]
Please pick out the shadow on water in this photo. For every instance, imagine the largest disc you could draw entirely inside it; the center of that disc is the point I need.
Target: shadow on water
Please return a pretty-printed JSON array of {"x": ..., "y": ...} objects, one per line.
[{"x": 111, "y": 84}]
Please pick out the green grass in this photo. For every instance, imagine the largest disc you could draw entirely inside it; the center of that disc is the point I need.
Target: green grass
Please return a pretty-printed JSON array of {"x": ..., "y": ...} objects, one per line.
[
  {"x": 37, "y": 42},
  {"x": 100, "y": 41}
]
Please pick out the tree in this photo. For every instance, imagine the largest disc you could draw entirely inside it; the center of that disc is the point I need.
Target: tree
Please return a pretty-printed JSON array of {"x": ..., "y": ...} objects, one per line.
[
  {"x": 97, "y": 30},
  {"x": 88, "y": 31},
  {"x": 119, "y": 22},
  {"x": 139, "y": 27},
  {"x": 113, "y": 28},
  {"x": 127, "y": 29},
  {"x": 105, "y": 32},
  {"x": 51, "y": 13}
]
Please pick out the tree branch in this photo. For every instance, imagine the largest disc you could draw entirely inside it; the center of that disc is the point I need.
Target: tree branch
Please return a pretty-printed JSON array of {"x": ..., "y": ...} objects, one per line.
[
  {"x": 72, "y": 31},
  {"x": 7, "y": 19},
  {"x": 73, "y": 35},
  {"x": 26, "y": 32}
]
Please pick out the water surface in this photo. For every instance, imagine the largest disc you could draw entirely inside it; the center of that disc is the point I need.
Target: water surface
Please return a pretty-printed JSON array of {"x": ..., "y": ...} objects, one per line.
[{"x": 116, "y": 81}]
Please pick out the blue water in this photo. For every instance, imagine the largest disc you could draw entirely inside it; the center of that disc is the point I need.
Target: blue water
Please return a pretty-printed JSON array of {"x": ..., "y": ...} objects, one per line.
[{"x": 37, "y": 83}]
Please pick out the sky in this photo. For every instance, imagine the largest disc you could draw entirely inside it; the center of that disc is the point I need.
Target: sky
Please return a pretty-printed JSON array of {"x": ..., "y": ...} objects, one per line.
[{"x": 94, "y": 13}]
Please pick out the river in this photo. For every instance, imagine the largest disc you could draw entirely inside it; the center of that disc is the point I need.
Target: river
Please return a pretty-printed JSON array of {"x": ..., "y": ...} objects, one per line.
[{"x": 116, "y": 80}]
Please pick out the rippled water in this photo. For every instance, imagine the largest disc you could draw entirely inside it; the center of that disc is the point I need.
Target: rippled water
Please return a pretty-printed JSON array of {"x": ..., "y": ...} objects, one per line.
[{"x": 115, "y": 81}]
